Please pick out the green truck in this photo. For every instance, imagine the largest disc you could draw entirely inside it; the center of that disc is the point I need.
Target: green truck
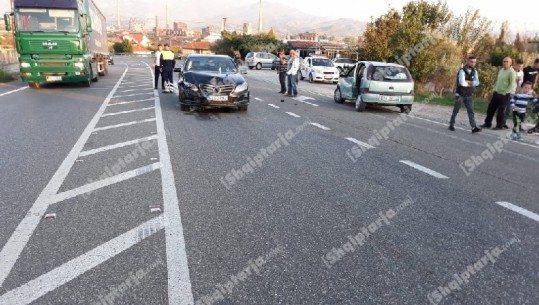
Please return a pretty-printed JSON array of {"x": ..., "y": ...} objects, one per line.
[{"x": 59, "y": 40}]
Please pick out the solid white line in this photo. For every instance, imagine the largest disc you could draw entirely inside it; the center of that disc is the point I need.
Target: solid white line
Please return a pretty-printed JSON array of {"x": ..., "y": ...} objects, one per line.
[
  {"x": 90, "y": 187},
  {"x": 274, "y": 106},
  {"x": 519, "y": 210},
  {"x": 131, "y": 102},
  {"x": 179, "y": 283},
  {"x": 424, "y": 169},
  {"x": 320, "y": 126},
  {"x": 124, "y": 124},
  {"x": 13, "y": 91},
  {"x": 67, "y": 272},
  {"x": 130, "y": 90},
  {"x": 134, "y": 94},
  {"x": 127, "y": 111},
  {"x": 358, "y": 142},
  {"x": 293, "y": 114},
  {"x": 17, "y": 242},
  {"x": 118, "y": 145},
  {"x": 259, "y": 99}
]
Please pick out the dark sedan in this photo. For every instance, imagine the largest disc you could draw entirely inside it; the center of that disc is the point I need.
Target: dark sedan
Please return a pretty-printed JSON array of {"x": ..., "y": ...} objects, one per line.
[{"x": 211, "y": 81}]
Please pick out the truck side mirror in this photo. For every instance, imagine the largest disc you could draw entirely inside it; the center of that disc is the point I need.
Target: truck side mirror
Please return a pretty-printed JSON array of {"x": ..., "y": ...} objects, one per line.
[
  {"x": 88, "y": 24},
  {"x": 7, "y": 21}
]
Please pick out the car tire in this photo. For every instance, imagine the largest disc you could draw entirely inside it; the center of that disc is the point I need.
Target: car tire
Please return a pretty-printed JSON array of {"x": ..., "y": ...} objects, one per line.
[
  {"x": 242, "y": 108},
  {"x": 251, "y": 68},
  {"x": 360, "y": 105},
  {"x": 311, "y": 80},
  {"x": 258, "y": 66},
  {"x": 301, "y": 75},
  {"x": 184, "y": 107},
  {"x": 337, "y": 96},
  {"x": 406, "y": 109}
]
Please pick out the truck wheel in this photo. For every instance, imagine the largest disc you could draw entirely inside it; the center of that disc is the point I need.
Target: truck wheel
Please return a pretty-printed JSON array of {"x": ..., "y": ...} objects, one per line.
[
  {"x": 95, "y": 78},
  {"x": 34, "y": 85}
]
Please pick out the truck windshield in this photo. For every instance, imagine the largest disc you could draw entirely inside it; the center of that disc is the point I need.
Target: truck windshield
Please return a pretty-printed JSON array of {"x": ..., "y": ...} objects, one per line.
[{"x": 46, "y": 20}]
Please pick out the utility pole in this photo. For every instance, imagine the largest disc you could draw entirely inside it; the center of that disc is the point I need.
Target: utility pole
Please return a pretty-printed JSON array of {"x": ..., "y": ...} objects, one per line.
[
  {"x": 118, "y": 12},
  {"x": 260, "y": 17},
  {"x": 224, "y": 24}
]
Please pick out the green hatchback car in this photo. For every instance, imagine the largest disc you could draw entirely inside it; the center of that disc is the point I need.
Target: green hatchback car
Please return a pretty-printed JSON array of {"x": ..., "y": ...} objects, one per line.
[{"x": 371, "y": 82}]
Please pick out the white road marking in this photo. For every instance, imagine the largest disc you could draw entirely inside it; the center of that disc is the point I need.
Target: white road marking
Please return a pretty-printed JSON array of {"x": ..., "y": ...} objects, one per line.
[
  {"x": 130, "y": 90},
  {"x": 127, "y": 111},
  {"x": 67, "y": 272},
  {"x": 320, "y": 126},
  {"x": 134, "y": 94},
  {"x": 274, "y": 106},
  {"x": 519, "y": 210},
  {"x": 124, "y": 124},
  {"x": 114, "y": 146},
  {"x": 13, "y": 91},
  {"x": 131, "y": 102},
  {"x": 259, "y": 99},
  {"x": 304, "y": 99},
  {"x": 17, "y": 242},
  {"x": 424, "y": 169},
  {"x": 293, "y": 114},
  {"x": 358, "y": 142},
  {"x": 179, "y": 284},
  {"x": 90, "y": 187}
]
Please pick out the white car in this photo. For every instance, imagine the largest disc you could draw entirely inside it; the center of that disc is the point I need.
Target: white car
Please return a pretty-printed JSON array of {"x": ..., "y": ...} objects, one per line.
[{"x": 319, "y": 69}]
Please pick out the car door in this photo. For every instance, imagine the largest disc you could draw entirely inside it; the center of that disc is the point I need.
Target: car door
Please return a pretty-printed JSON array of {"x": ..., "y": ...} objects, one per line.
[
  {"x": 346, "y": 84},
  {"x": 359, "y": 79}
]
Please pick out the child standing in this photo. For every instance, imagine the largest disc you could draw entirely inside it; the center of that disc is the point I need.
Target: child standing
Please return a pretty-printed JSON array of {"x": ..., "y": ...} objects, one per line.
[{"x": 519, "y": 104}]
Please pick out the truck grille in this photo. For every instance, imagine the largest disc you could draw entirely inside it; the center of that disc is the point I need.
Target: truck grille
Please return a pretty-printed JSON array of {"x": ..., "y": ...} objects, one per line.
[
  {"x": 220, "y": 90},
  {"x": 52, "y": 64},
  {"x": 61, "y": 46}
]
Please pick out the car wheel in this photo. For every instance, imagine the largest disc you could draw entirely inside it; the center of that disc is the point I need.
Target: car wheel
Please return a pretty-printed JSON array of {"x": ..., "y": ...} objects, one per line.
[
  {"x": 251, "y": 68},
  {"x": 34, "y": 85},
  {"x": 242, "y": 108},
  {"x": 406, "y": 109},
  {"x": 311, "y": 80},
  {"x": 184, "y": 107},
  {"x": 258, "y": 66},
  {"x": 360, "y": 104},
  {"x": 301, "y": 75},
  {"x": 337, "y": 96}
]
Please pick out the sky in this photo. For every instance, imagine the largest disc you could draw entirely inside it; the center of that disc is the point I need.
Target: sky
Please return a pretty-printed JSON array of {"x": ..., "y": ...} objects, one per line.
[{"x": 523, "y": 18}]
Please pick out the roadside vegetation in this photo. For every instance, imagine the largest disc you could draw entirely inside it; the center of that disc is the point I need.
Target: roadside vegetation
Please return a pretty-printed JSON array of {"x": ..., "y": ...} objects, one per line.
[{"x": 5, "y": 76}]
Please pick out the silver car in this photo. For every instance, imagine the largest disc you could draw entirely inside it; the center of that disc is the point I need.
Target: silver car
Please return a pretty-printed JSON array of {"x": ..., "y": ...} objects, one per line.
[
  {"x": 371, "y": 82},
  {"x": 260, "y": 60}
]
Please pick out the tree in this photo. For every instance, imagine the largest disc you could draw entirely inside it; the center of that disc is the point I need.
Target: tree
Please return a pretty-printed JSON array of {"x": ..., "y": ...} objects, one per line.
[
  {"x": 503, "y": 39},
  {"x": 378, "y": 34},
  {"x": 521, "y": 44},
  {"x": 467, "y": 30},
  {"x": 127, "y": 46},
  {"x": 443, "y": 75},
  {"x": 233, "y": 42}
]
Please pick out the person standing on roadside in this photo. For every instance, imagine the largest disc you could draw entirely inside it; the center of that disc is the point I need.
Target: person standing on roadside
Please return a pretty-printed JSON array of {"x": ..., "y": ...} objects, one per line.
[
  {"x": 157, "y": 67},
  {"x": 281, "y": 71},
  {"x": 292, "y": 73},
  {"x": 519, "y": 64},
  {"x": 530, "y": 73},
  {"x": 467, "y": 80},
  {"x": 167, "y": 63},
  {"x": 500, "y": 97}
]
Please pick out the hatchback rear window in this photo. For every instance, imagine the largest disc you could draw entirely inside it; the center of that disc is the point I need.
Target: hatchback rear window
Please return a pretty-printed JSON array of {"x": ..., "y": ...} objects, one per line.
[{"x": 391, "y": 73}]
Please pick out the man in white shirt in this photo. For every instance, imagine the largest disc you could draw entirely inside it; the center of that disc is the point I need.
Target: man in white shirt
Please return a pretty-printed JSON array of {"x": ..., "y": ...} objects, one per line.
[
  {"x": 292, "y": 73},
  {"x": 518, "y": 67},
  {"x": 157, "y": 67}
]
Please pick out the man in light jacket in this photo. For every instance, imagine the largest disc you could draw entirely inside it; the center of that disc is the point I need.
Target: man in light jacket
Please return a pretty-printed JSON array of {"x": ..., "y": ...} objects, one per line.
[{"x": 292, "y": 74}]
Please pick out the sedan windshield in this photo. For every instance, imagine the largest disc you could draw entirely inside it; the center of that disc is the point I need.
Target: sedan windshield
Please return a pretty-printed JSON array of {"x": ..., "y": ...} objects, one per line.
[
  {"x": 212, "y": 64},
  {"x": 322, "y": 62},
  {"x": 46, "y": 20}
]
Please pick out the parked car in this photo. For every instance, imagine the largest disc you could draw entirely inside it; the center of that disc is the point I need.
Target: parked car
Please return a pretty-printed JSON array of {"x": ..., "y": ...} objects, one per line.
[
  {"x": 260, "y": 60},
  {"x": 110, "y": 59},
  {"x": 344, "y": 64},
  {"x": 211, "y": 81},
  {"x": 319, "y": 69},
  {"x": 380, "y": 83}
]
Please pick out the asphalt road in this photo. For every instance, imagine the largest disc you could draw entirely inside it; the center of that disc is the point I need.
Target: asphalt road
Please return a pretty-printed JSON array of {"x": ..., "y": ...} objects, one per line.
[{"x": 111, "y": 195}]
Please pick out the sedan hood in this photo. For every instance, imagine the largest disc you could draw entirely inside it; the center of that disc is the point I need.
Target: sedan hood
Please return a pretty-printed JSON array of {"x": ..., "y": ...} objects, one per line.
[{"x": 213, "y": 78}]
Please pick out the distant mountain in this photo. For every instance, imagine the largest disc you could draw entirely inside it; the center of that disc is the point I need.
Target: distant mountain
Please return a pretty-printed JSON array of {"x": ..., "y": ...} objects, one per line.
[{"x": 197, "y": 14}]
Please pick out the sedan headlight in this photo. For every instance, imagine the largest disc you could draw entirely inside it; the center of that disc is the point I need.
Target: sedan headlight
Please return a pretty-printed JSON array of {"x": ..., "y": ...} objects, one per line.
[
  {"x": 79, "y": 65},
  {"x": 193, "y": 87},
  {"x": 241, "y": 87},
  {"x": 25, "y": 65}
]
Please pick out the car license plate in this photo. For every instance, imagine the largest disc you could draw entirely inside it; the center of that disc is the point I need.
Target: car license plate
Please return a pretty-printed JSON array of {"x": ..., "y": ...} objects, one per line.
[
  {"x": 218, "y": 98},
  {"x": 389, "y": 98},
  {"x": 53, "y": 78}
]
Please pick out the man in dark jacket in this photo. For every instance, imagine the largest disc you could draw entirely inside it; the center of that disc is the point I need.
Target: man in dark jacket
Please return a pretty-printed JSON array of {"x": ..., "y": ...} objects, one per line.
[
  {"x": 167, "y": 63},
  {"x": 467, "y": 80},
  {"x": 281, "y": 70}
]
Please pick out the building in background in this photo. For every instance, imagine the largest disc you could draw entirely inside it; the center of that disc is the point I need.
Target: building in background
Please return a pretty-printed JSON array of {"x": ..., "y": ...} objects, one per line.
[{"x": 137, "y": 25}]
